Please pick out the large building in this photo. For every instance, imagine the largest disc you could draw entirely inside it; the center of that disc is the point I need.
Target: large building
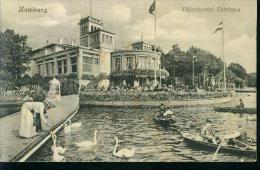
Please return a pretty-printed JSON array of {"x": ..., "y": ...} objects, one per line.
[
  {"x": 90, "y": 57},
  {"x": 139, "y": 66}
]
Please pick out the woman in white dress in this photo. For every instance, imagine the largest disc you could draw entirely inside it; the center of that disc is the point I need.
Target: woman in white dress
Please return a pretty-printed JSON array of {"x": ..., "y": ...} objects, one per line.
[{"x": 27, "y": 128}]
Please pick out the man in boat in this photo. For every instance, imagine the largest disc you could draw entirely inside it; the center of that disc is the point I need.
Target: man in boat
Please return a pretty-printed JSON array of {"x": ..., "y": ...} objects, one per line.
[
  {"x": 240, "y": 139},
  {"x": 207, "y": 133},
  {"x": 168, "y": 112},
  {"x": 162, "y": 109}
]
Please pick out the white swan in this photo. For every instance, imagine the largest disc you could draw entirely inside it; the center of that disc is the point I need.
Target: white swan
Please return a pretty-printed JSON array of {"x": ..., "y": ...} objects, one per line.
[
  {"x": 59, "y": 149},
  {"x": 88, "y": 144},
  {"x": 123, "y": 153},
  {"x": 56, "y": 156},
  {"x": 67, "y": 128},
  {"x": 250, "y": 118},
  {"x": 75, "y": 125}
]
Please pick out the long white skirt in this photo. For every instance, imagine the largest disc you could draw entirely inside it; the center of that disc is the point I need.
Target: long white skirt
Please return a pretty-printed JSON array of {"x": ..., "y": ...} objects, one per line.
[{"x": 27, "y": 129}]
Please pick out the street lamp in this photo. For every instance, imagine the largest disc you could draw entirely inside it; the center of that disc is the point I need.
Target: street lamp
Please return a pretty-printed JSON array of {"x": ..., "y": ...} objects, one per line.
[{"x": 194, "y": 58}]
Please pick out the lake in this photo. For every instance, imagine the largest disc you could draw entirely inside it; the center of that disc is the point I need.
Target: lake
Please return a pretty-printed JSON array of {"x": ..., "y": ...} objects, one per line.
[{"x": 136, "y": 128}]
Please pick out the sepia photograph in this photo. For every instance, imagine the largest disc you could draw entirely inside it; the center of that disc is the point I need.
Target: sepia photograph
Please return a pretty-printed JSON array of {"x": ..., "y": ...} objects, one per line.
[{"x": 128, "y": 81}]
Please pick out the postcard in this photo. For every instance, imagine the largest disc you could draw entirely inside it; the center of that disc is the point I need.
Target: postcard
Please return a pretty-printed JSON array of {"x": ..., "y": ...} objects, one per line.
[{"x": 128, "y": 81}]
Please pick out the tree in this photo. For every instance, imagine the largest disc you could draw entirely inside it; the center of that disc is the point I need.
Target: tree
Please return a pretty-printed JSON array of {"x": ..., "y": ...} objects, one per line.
[
  {"x": 15, "y": 54},
  {"x": 238, "y": 70},
  {"x": 251, "y": 80},
  {"x": 25, "y": 80}
]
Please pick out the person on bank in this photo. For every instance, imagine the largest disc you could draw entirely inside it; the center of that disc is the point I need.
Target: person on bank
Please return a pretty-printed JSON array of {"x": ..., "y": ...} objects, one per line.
[
  {"x": 241, "y": 107},
  {"x": 208, "y": 134},
  {"x": 32, "y": 115}
]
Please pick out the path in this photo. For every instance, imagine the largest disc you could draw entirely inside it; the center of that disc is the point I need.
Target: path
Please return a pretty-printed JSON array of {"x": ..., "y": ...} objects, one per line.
[{"x": 13, "y": 147}]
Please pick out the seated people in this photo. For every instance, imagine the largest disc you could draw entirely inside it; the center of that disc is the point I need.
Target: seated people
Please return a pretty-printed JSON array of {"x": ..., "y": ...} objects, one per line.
[
  {"x": 168, "y": 112},
  {"x": 162, "y": 109},
  {"x": 207, "y": 133}
]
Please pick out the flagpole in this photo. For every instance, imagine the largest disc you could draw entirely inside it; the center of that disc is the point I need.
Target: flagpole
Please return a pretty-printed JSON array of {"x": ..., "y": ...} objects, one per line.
[
  {"x": 155, "y": 81},
  {"x": 224, "y": 63},
  {"x": 90, "y": 5}
]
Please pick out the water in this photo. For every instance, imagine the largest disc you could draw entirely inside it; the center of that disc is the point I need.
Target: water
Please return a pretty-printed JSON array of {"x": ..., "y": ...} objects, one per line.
[{"x": 136, "y": 128}]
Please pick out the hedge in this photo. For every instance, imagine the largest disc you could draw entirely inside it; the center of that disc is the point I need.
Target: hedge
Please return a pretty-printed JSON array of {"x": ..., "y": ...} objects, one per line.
[{"x": 146, "y": 96}]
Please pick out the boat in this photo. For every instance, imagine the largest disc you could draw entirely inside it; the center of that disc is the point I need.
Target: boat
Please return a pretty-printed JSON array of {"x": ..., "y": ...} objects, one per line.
[
  {"x": 168, "y": 120},
  {"x": 196, "y": 141},
  {"x": 235, "y": 110}
]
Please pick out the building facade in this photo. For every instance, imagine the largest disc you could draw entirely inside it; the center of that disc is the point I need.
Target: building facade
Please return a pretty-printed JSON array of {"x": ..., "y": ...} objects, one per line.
[
  {"x": 139, "y": 66},
  {"x": 90, "y": 57}
]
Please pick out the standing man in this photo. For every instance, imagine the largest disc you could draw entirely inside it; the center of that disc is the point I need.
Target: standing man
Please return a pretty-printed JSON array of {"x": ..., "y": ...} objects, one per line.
[{"x": 241, "y": 107}]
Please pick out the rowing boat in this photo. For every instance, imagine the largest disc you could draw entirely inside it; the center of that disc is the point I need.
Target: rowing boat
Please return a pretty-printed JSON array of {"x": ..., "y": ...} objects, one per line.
[
  {"x": 196, "y": 141},
  {"x": 235, "y": 110},
  {"x": 168, "y": 120}
]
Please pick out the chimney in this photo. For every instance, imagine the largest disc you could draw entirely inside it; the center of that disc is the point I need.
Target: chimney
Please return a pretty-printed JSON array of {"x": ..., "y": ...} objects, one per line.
[
  {"x": 60, "y": 41},
  {"x": 47, "y": 42}
]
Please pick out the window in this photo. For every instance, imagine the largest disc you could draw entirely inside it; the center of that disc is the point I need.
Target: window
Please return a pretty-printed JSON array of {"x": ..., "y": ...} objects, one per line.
[
  {"x": 92, "y": 28},
  {"x": 95, "y": 61},
  {"x": 118, "y": 64},
  {"x": 52, "y": 68},
  {"x": 110, "y": 39},
  {"x": 73, "y": 53},
  {"x": 59, "y": 63},
  {"x": 73, "y": 62},
  {"x": 47, "y": 69},
  {"x": 64, "y": 66},
  {"x": 87, "y": 64},
  {"x": 130, "y": 63},
  {"x": 103, "y": 38},
  {"x": 39, "y": 69}
]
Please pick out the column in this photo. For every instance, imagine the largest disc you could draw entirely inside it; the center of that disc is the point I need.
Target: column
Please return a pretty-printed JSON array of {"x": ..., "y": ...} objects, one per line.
[{"x": 55, "y": 66}]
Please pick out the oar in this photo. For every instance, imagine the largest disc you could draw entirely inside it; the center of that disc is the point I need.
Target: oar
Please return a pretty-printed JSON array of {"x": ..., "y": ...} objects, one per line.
[{"x": 215, "y": 154}]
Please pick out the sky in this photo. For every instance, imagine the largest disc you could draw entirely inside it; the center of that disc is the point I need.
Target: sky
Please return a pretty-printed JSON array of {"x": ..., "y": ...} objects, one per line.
[{"x": 129, "y": 19}]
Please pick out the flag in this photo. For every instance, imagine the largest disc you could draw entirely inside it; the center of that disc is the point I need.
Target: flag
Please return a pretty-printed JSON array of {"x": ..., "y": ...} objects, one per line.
[
  {"x": 220, "y": 27},
  {"x": 152, "y": 8}
]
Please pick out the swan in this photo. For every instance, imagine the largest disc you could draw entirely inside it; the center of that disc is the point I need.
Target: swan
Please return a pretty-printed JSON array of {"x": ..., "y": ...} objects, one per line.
[
  {"x": 250, "y": 118},
  {"x": 88, "y": 144},
  {"x": 75, "y": 125},
  {"x": 59, "y": 149},
  {"x": 56, "y": 156},
  {"x": 67, "y": 128},
  {"x": 123, "y": 153}
]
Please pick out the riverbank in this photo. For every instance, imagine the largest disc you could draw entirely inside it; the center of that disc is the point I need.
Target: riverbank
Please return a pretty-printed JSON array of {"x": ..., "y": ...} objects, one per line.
[
  {"x": 155, "y": 104},
  {"x": 15, "y": 148}
]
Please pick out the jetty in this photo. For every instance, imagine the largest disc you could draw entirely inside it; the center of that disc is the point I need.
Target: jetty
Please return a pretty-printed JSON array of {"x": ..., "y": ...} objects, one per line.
[{"x": 18, "y": 149}]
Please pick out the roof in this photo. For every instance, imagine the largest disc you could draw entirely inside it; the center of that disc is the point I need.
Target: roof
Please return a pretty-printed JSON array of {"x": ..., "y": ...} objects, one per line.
[
  {"x": 141, "y": 42},
  {"x": 53, "y": 44},
  {"x": 90, "y": 19},
  {"x": 102, "y": 31}
]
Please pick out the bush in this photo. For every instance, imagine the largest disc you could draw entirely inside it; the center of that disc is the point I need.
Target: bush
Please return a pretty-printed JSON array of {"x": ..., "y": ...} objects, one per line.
[
  {"x": 38, "y": 96},
  {"x": 69, "y": 87}
]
